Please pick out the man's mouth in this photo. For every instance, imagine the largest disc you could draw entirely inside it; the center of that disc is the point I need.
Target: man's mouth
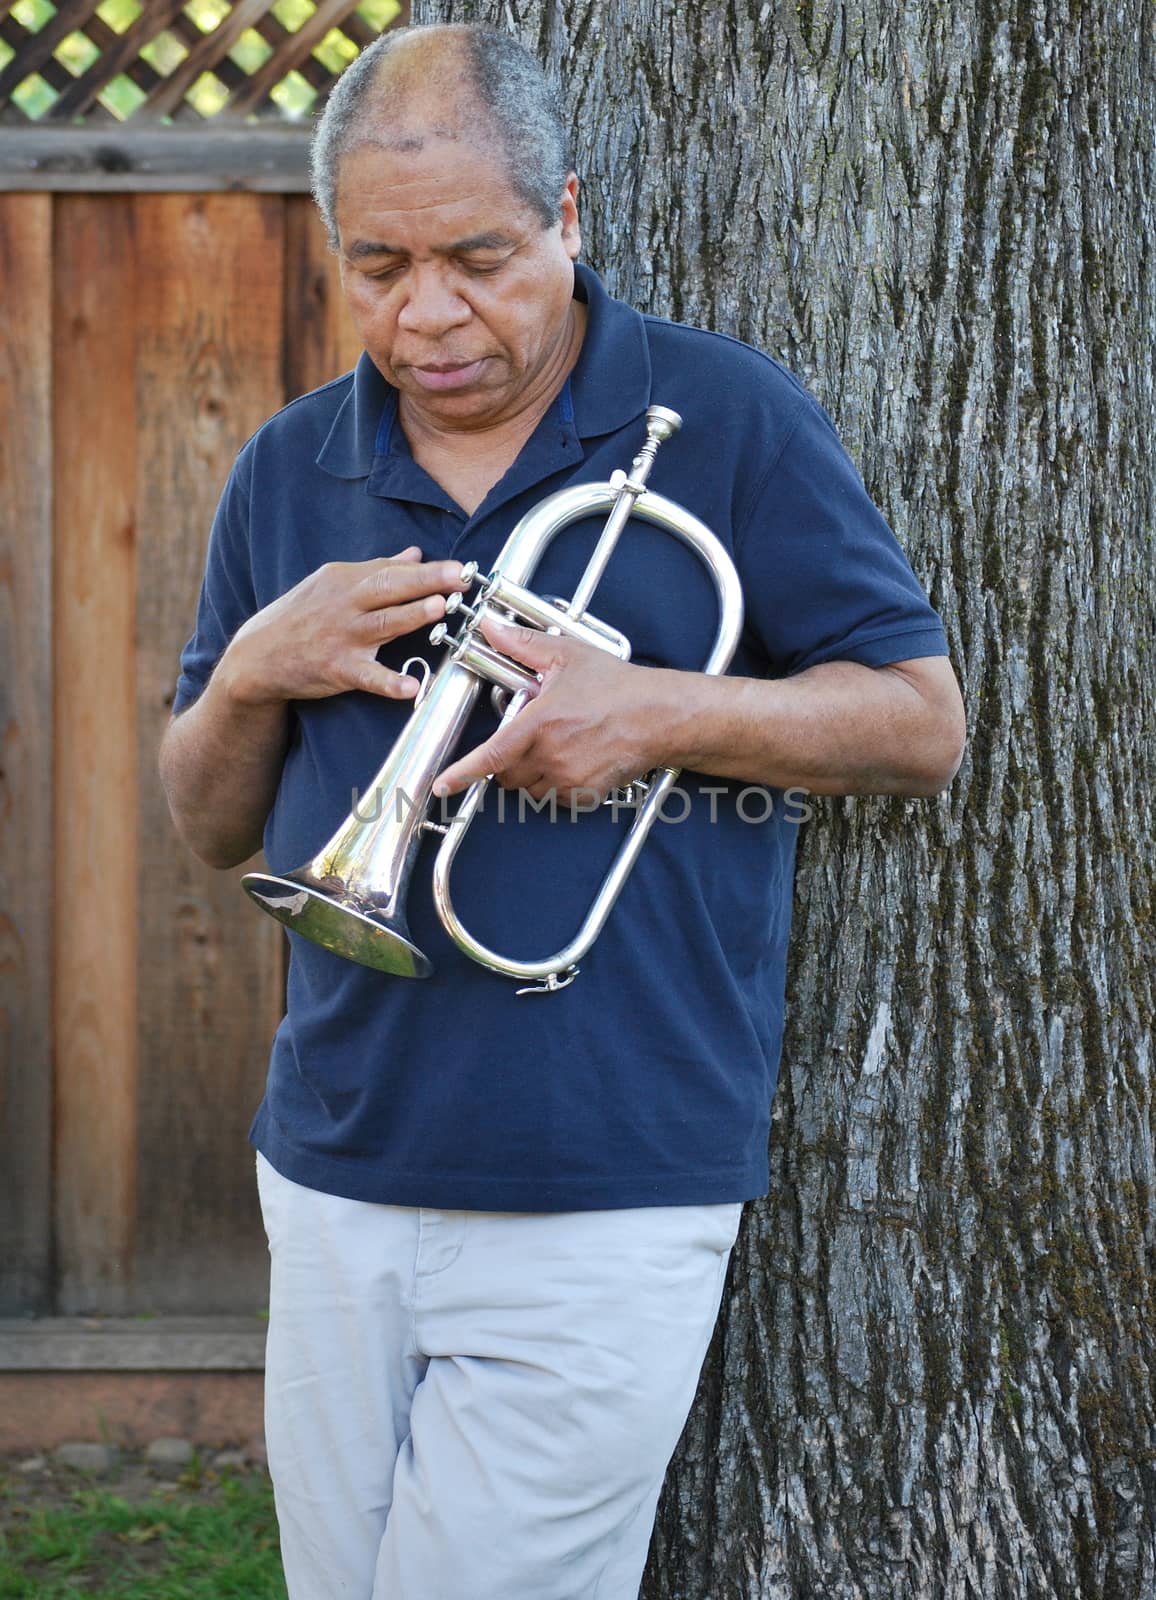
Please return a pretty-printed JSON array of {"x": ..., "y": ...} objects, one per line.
[{"x": 442, "y": 375}]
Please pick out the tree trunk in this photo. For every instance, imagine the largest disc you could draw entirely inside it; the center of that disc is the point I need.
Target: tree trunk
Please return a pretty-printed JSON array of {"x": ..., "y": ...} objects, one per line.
[{"x": 932, "y": 1374}]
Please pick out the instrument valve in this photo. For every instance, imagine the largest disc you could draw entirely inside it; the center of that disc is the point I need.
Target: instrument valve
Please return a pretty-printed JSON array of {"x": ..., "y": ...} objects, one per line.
[{"x": 456, "y": 606}]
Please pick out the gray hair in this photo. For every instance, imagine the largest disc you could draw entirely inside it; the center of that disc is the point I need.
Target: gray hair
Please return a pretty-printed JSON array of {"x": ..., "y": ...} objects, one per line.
[{"x": 513, "y": 92}]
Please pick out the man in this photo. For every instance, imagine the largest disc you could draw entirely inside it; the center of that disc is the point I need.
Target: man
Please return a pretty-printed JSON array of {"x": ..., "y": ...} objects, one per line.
[{"x": 499, "y": 1227}]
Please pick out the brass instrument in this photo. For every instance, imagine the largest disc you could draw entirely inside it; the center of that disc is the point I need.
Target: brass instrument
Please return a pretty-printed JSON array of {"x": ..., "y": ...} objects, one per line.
[{"x": 351, "y": 897}]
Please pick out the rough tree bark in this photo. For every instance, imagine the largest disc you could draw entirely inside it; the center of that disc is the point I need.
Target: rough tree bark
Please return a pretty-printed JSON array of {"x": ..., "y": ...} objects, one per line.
[{"x": 933, "y": 1373}]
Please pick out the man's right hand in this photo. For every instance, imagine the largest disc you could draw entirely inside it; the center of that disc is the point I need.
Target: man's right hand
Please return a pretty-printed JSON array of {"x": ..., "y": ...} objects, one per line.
[{"x": 322, "y": 637}]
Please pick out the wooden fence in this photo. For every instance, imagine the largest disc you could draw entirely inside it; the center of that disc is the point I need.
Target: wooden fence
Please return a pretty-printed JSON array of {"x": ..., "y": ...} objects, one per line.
[{"x": 143, "y": 338}]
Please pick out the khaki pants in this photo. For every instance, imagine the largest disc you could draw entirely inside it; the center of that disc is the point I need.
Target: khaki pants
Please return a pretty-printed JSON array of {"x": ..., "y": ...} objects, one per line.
[{"x": 471, "y": 1405}]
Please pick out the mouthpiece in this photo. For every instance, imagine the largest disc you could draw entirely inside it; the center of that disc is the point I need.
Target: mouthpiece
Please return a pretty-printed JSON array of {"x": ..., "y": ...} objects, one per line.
[{"x": 661, "y": 422}]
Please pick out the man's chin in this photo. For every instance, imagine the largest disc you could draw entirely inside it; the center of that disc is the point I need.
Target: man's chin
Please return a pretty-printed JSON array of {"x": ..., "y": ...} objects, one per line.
[{"x": 471, "y": 403}]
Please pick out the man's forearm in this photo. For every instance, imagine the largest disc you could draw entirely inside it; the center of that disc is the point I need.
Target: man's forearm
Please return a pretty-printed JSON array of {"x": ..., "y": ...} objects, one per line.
[
  {"x": 839, "y": 728},
  {"x": 220, "y": 765}
]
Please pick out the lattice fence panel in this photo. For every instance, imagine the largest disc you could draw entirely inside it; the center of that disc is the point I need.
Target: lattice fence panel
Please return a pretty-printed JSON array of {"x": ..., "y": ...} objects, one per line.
[{"x": 186, "y": 62}]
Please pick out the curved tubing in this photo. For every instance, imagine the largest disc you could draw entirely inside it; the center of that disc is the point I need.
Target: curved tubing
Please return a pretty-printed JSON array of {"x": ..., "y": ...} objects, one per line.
[{"x": 525, "y": 547}]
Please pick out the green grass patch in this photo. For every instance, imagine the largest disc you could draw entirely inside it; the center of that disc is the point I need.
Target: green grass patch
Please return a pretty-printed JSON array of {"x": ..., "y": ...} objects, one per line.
[{"x": 200, "y": 1540}]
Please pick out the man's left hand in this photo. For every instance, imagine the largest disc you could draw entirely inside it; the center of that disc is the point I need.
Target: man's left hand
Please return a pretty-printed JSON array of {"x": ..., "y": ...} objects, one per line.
[{"x": 588, "y": 730}]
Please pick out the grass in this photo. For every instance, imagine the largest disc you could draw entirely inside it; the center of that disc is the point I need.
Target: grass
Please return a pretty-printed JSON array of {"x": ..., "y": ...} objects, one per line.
[{"x": 204, "y": 1538}]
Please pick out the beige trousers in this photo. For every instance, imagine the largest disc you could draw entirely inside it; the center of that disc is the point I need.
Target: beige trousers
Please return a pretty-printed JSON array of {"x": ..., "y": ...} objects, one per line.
[{"x": 468, "y": 1405}]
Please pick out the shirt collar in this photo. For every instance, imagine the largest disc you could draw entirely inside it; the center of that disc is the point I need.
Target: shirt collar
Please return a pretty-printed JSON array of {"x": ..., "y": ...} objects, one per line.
[
  {"x": 610, "y": 383},
  {"x": 349, "y": 448},
  {"x": 609, "y": 386}
]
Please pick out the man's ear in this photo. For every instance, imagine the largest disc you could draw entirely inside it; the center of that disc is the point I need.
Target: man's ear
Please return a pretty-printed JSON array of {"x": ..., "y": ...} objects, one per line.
[{"x": 571, "y": 233}]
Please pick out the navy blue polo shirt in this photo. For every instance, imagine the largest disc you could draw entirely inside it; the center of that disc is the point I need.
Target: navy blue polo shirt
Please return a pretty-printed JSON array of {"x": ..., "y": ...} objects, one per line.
[{"x": 649, "y": 1080}]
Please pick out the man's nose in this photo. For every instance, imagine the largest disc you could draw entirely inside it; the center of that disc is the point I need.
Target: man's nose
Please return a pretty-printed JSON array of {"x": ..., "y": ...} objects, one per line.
[{"x": 432, "y": 306}]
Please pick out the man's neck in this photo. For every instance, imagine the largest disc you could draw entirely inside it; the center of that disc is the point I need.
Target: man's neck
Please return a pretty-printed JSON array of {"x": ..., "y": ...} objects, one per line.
[{"x": 467, "y": 461}]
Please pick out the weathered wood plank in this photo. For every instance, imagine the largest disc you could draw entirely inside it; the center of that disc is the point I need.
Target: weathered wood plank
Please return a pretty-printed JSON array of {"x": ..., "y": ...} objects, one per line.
[
  {"x": 94, "y": 421},
  {"x": 209, "y": 339},
  {"x": 130, "y": 158},
  {"x": 125, "y": 1344},
  {"x": 39, "y": 1410},
  {"x": 320, "y": 341},
  {"x": 25, "y": 752}
]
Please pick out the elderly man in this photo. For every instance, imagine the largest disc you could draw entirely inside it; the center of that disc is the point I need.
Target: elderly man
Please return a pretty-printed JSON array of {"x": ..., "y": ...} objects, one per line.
[{"x": 499, "y": 1227}]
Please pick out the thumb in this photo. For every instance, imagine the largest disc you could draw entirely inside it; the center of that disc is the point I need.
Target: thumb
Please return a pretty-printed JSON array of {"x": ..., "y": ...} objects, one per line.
[{"x": 485, "y": 760}]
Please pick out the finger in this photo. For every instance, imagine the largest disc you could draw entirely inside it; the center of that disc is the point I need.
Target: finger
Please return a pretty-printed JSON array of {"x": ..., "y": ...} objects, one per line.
[
  {"x": 529, "y": 645},
  {"x": 491, "y": 759},
  {"x": 475, "y": 764},
  {"x": 410, "y": 556},
  {"x": 394, "y": 583},
  {"x": 538, "y": 789},
  {"x": 378, "y": 627}
]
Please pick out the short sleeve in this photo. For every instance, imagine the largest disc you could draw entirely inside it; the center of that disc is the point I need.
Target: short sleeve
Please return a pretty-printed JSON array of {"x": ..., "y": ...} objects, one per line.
[
  {"x": 823, "y": 575},
  {"x": 227, "y": 596}
]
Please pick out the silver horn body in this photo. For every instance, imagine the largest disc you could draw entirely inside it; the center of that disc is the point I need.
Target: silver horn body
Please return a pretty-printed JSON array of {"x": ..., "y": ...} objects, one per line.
[{"x": 351, "y": 897}]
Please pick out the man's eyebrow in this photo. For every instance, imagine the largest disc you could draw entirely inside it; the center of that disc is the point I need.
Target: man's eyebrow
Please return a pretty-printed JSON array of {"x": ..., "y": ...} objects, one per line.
[{"x": 494, "y": 240}]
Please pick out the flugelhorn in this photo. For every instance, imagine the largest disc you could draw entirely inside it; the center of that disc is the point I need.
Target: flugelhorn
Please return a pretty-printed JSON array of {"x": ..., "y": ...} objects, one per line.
[{"x": 352, "y": 896}]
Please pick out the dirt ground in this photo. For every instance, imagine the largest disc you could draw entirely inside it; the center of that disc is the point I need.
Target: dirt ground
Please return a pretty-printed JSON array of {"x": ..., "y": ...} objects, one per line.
[{"x": 39, "y": 1480}]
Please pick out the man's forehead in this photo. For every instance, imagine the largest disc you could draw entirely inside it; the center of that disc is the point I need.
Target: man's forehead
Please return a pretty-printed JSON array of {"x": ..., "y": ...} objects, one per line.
[
  {"x": 492, "y": 239},
  {"x": 409, "y": 139},
  {"x": 446, "y": 185}
]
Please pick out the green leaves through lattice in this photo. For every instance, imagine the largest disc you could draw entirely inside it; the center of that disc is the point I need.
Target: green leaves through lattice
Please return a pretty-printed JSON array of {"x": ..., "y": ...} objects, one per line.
[{"x": 189, "y": 63}]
